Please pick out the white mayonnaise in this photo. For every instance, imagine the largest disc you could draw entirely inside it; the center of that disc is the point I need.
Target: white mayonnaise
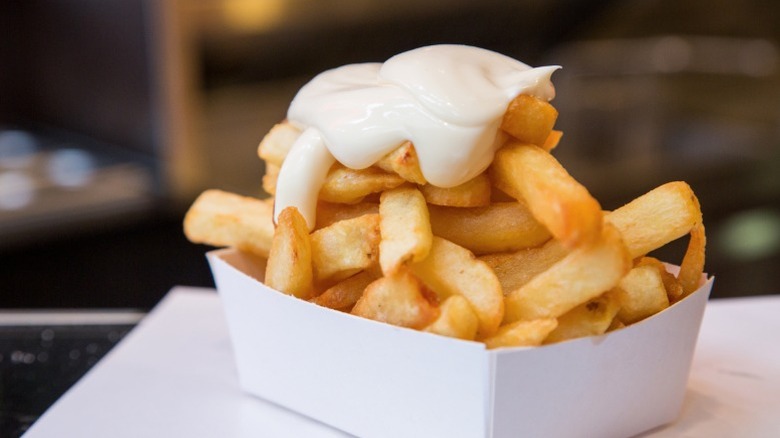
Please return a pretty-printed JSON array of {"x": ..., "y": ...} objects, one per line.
[{"x": 448, "y": 100}]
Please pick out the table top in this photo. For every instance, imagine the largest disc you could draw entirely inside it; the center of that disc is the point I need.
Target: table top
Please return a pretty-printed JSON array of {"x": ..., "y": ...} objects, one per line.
[{"x": 174, "y": 375}]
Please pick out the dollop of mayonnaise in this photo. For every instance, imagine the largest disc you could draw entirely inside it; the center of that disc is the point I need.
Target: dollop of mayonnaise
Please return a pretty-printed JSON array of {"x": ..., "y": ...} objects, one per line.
[{"x": 448, "y": 100}]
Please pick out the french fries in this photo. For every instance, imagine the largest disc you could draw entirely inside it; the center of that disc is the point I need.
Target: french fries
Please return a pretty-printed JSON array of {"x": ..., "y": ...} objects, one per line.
[{"x": 520, "y": 255}]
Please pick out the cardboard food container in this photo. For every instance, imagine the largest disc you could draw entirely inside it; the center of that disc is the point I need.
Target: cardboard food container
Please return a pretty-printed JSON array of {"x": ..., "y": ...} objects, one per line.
[{"x": 372, "y": 379}]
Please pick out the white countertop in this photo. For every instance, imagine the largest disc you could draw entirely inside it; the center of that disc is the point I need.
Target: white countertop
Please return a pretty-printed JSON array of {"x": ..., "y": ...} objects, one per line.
[{"x": 174, "y": 376}]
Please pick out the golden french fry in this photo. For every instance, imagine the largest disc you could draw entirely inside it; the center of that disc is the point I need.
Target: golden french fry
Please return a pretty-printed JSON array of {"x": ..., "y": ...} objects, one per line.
[
  {"x": 522, "y": 333},
  {"x": 277, "y": 143},
  {"x": 345, "y": 248},
  {"x": 515, "y": 269},
  {"x": 473, "y": 193},
  {"x": 289, "y": 267},
  {"x": 348, "y": 186},
  {"x": 344, "y": 294},
  {"x": 588, "y": 319},
  {"x": 641, "y": 293},
  {"x": 585, "y": 273},
  {"x": 674, "y": 289},
  {"x": 328, "y": 213},
  {"x": 563, "y": 205},
  {"x": 404, "y": 162},
  {"x": 450, "y": 269},
  {"x": 399, "y": 299},
  {"x": 220, "y": 218},
  {"x": 656, "y": 218},
  {"x": 529, "y": 119},
  {"x": 456, "y": 319},
  {"x": 552, "y": 140},
  {"x": 270, "y": 177},
  {"x": 499, "y": 227},
  {"x": 404, "y": 226},
  {"x": 692, "y": 265}
]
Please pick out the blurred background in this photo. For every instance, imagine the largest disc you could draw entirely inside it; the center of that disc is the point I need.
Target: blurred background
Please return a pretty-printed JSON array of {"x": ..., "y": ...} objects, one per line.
[{"x": 115, "y": 114}]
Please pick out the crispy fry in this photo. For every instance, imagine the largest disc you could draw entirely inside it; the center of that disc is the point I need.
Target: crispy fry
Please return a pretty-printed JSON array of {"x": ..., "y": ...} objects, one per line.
[
  {"x": 328, "y": 213},
  {"x": 405, "y": 228},
  {"x": 345, "y": 248},
  {"x": 404, "y": 162},
  {"x": 347, "y": 186},
  {"x": 399, "y": 299},
  {"x": 692, "y": 266},
  {"x": 344, "y": 294},
  {"x": 522, "y": 333},
  {"x": 583, "y": 274},
  {"x": 641, "y": 293},
  {"x": 450, "y": 269},
  {"x": 552, "y": 140},
  {"x": 515, "y": 269},
  {"x": 277, "y": 143},
  {"x": 456, "y": 319},
  {"x": 563, "y": 205},
  {"x": 588, "y": 319},
  {"x": 674, "y": 290},
  {"x": 473, "y": 193},
  {"x": 529, "y": 119},
  {"x": 499, "y": 227},
  {"x": 220, "y": 218},
  {"x": 289, "y": 267}
]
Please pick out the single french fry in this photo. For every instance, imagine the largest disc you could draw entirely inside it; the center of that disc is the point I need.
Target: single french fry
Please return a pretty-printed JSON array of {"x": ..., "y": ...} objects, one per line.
[
  {"x": 529, "y": 119},
  {"x": 552, "y": 140},
  {"x": 329, "y": 213},
  {"x": 522, "y": 333},
  {"x": 656, "y": 218},
  {"x": 344, "y": 294},
  {"x": 473, "y": 193},
  {"x": 692, "y": 265},
  {"x": 347, "y": 186},
  {"x": 499, "y": 227},
  {"x": 219, "y": 218},
  {"x": 399, "y": 299},
  {"x": 674, "y": 289},
  {"x": 404, "y": 162},
  {"x": 451, "y": 269},
  {"x": 405, "y": 228},
  {"x": 456, "y": 319},
  {"x": 277, "y": 143},
  {"x": 641, "y": 293},
  {"x": 289, "y": 267},
  {"x": 585, "y": 273},
  {"x": 345, "y": 248},
  {"x": 535, "y": 177},
  {"x": 588, "y": 319},
  {"x": 515, "y": 269}
]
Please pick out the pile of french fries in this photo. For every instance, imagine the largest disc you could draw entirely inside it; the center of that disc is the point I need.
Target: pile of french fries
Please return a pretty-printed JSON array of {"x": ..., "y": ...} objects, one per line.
[{"x": 521, "y": 255}]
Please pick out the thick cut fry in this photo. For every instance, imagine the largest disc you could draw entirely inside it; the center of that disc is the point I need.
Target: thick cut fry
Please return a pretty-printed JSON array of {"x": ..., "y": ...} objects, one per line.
[
  {"x": 472, "y": 193},
  {"x": 518, "y": 268},
  {"x": 328, "y": 213},
  {"x": 404, "y": 162},
  {"x": 347, "y": 186},
  {"x": 344, "y": 294},
  {"x": 641, "y": 293},
  {"x": 692, "y": 266},
  {"x": 400, "y": 299},
  {"x": 405, "y": 228},
  {"x": 552, "y": 140},
  {"x": 270, "y": 177},
  {"x": 450, "y": 269},
  {"x": 529, "y": 119},
  {"x": 499, "y": 227},
  {"x": 220, "y": 218},
  {"x": 563, "y": 205},
  {"x": 588, "y": 319},
  {"x": 277, "y": 143},
  {"x": 656, "y": 218},
  {"x": 456, "y": 319},
  {"x": 583, "y": 274},
  {"x": 345, "y": 248},
  {"x": 522, "y": 333},
  {"x": 289, "y": 267},
  {"x": 674, "y": 289}
]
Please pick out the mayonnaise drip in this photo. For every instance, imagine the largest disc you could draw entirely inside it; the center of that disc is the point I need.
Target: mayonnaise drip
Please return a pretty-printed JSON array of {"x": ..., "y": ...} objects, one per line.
[{"x": 448, "y": 100}]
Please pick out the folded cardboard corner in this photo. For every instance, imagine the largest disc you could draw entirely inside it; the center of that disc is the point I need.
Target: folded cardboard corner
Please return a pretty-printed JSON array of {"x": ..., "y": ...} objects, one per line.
[{"x": 373, "y": 379}]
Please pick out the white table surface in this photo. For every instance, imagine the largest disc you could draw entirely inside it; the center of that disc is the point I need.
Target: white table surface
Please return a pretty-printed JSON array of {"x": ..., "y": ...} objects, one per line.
[{"x": 174, "y": 376}]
